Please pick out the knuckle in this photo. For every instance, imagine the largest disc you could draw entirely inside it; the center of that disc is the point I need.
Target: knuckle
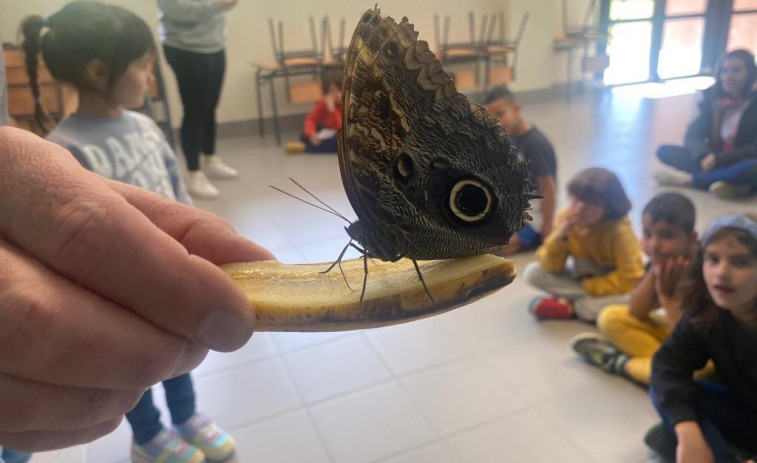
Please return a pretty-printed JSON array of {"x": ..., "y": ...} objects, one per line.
[{"x": 79, "y": 241}]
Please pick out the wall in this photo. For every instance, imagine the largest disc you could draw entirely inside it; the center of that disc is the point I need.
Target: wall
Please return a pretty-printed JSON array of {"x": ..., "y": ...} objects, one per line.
[{"x": 539, "y": 67}]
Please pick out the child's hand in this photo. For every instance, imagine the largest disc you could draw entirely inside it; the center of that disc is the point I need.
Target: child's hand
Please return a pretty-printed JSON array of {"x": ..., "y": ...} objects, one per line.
[
  {"x": 566, "y": 225},
  {"x": 105, "y": 290},
  {"x": 668, "y": 274},
  {"x": 692, "y": 447},
  {"x": 708, "y": 162},
  {"x": 314, "y": 140}
]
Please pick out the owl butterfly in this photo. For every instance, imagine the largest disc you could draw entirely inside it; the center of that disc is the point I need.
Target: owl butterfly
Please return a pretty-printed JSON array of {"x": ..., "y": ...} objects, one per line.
[{"x": 429, "y": 174}]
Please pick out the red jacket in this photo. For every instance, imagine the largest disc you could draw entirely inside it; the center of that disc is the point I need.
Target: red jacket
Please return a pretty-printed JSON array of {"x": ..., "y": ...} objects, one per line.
[{"x": 321, "y": 117}]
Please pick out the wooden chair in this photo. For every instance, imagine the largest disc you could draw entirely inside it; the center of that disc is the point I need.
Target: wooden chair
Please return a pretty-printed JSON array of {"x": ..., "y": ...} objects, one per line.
[{"x": 499, "y": 67}]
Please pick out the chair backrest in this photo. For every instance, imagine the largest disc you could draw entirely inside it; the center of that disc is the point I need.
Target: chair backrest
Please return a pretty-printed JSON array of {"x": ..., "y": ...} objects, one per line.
[
  {"x": 521, "y": 29},
  {"x": 277, "y": 43}
]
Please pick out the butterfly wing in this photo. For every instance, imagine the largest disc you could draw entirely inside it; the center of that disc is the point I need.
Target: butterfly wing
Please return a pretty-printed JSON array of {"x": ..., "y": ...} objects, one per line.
[{"x": 409, "y": 139}]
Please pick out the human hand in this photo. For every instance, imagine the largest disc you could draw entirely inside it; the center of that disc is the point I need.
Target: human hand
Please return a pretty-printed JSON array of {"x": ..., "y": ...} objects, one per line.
[
  {"x": 314, "y": 140},
  {"x": 105, "y": 290},
  {"x": 708, "y": 162},
  {"x": 668, "y": 275},
  {"x": 692, "y": 447},
  {"x": 566, "y": 225}
]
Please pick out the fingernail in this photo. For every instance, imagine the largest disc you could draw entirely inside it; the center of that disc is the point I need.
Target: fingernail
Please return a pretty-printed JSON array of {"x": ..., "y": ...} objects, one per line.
[{"x": 224, "y": 331}]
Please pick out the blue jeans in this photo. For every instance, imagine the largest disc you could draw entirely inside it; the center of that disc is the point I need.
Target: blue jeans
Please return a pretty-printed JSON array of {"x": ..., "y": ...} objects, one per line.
[
  {"x": 13, "y": 456},
  {"x": 328, "y": 145},
  {"x": 722, "y": 418},
  {"x": 742, "y": 172},
  {"x": 145, "y": 418}
]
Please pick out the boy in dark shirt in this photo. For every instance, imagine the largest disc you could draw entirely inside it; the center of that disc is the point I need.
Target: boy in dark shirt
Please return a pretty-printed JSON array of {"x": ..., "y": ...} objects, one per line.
[{"x": 533, "y": 148}]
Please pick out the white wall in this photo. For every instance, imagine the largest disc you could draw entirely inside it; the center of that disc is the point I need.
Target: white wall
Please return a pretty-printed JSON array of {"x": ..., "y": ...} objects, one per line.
[{"x": 539, "y": 67}]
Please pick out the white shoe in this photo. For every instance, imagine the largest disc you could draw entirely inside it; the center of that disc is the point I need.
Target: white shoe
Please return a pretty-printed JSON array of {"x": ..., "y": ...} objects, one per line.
[
  {"x": 726, "y": 190},
  {"x": 672, "y": 177},
  {"x": 216, "y": 168},
  {"x": 199, "y": 186}
]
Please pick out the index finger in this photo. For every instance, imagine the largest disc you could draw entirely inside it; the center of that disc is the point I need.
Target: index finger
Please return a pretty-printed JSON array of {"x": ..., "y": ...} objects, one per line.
[{"x": 69, "y": 219}]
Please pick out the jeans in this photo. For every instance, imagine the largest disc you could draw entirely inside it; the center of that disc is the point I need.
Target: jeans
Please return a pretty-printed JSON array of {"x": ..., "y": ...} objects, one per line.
[
  {"x": 145, "y": 418},
  {"x": 742, "y": 172},
  {"x": 722, "y": 418},
  {"x": 13, "y": 456},
  {"x": 200, "y": 78},
  {"x": 328, "y": 145}
]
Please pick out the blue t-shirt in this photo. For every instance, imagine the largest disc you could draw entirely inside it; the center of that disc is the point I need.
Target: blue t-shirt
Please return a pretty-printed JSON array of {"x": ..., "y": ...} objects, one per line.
[{"x": 131, "y": 149}]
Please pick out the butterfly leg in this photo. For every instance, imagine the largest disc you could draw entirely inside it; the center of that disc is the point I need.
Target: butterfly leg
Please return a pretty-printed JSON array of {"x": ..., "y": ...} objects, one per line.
[
  {"x": 365, "y": 274},
  {"x": 338, "y": 261},
  {"x": 418, "y": 270}
]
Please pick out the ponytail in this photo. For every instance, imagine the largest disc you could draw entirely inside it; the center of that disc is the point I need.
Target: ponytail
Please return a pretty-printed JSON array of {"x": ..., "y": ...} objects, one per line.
[{"x": 31, "y": 29}]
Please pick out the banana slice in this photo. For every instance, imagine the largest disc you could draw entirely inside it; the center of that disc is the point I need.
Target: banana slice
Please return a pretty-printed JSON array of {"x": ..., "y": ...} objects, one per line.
[{"x": 298, "y": 297}]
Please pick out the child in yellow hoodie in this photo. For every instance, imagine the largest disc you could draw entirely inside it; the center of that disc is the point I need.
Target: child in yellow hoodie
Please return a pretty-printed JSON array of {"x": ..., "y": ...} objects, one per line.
[{"x": 595, "y": 232}]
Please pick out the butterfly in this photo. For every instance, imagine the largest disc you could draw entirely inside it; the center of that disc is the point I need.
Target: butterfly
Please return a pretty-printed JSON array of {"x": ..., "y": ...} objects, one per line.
[{"x": 429, "y": 174}]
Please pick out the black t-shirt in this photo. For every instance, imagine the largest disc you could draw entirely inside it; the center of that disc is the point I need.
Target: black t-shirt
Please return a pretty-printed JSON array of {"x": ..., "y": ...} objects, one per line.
[{"x": 534, "y": 148}]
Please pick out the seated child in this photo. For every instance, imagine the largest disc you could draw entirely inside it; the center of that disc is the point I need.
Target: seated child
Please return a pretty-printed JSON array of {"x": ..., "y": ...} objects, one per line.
[
  {"x": 595, "y": 231},
  {"x": 706, "y": 421},
  {"x": 323, "y": 122},
  {"x": 631, "y": 334},
  {"x": 532, "y": 147}
]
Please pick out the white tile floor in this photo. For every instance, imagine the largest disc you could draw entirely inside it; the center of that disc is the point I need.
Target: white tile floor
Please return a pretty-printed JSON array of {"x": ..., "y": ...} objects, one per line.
[{"x": 485, "y": 383}]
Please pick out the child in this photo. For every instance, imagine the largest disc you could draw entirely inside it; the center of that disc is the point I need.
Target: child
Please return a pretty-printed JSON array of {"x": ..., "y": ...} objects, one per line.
[
  {"x": 533, "y": 148},
  {"x": 632, "y": 333},
  {"x": 323, "y": 122},
  {"x": 720, "y": 151},
  {"x": 107, "y": 54},
  {"x": 606, "y": 258},
  {"x": 702, "y": 418}
]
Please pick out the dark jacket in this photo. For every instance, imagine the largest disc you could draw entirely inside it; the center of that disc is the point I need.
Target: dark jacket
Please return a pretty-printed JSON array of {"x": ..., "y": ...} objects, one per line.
[
  {"x": 732, "y": 348},
  {"x": 703, "y": 135}
]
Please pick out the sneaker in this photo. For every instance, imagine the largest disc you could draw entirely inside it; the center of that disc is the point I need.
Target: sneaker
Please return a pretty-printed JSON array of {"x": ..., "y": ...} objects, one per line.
[
  {"x": 199, "y": 186},
  {"x": 166, "y": 447},
  {"x": 215, "y": 443},
  {"x": 597, "y": 351},
  {"x": 551, "y": 307},
  {"x": 726, "y": 190},
  {"x": 295, "y": 147},
  {"x": 661, "y": 441},
  {"x": 672, "y": 177},
  {"x": 216, "y": 168}
]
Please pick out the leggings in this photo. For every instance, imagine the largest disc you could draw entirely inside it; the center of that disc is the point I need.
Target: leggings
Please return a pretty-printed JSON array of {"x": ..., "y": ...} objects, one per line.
[
  {"x": 200, "y": 77},
  {"x": 145, "y": 417}
]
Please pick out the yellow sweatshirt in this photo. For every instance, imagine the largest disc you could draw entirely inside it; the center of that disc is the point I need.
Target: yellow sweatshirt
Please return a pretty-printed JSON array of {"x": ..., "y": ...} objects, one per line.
[{"x": 610, "y": 243}]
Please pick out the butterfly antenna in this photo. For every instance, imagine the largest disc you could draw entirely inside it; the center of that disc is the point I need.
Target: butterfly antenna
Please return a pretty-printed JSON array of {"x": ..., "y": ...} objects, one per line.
[
  {"x": 309, "y": 203},
  {"x": 418, "y": 270},
  {"x": 317, "y": 199}
]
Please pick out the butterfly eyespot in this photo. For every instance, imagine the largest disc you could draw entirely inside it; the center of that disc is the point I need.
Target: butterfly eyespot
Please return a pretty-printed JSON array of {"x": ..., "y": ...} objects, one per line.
[
  {"x": 367, "y": 18},
  {"x": 403, "y": 167},
  {"x": 470, "y": 201},
  {"x": 391, "y": 49},
  {"x": 383, "y": 33}
]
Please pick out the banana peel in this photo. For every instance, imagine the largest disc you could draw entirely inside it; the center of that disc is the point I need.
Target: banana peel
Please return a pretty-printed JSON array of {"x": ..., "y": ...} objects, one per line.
[{"x": 300, "y": 297}]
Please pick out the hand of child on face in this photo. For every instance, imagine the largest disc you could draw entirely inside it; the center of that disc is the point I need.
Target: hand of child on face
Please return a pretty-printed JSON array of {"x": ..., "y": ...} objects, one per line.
[
  {"x": 105, "y": 290},
  {"x": 314, "y": 140},
  {"x": 566, "y": 225},
  {"x": 668, "y": 275},
  {"x": 708, "y": 162}
]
